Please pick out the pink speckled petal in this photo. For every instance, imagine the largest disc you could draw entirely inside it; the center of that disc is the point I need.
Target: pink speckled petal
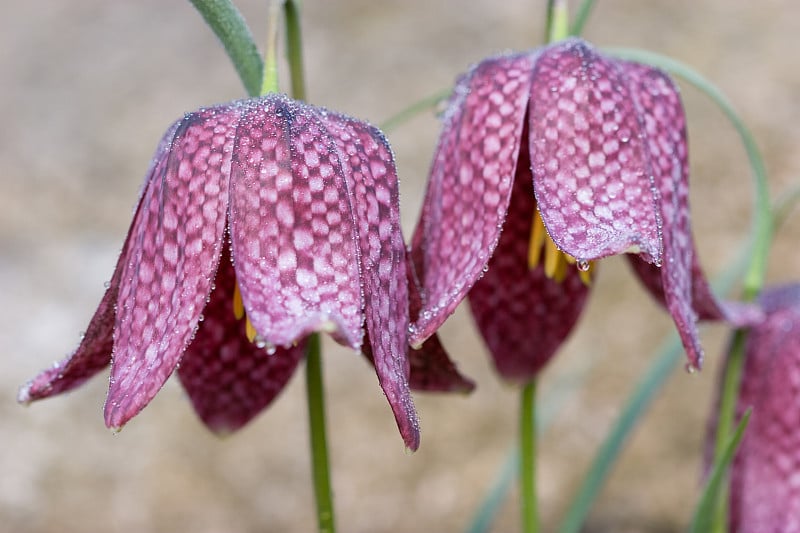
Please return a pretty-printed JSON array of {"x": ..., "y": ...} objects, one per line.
[
  {"x": 292, "y": 227},
  {"x": 371, "y": 177},
  {"x": 658, "y": 104},
  {"x": 704, "y": 302},
  {"x": 469, "y": 185},
  {"x": 94, "y": 352},
  {"x": 523, "y": 315},
  {"x": 228, "y": 378},
  {"x": 764, "y": 493},
  {"x": 432, "y": 370},
  {"x": 591, "y": 172},
  {"x": 174, "y": 250}
]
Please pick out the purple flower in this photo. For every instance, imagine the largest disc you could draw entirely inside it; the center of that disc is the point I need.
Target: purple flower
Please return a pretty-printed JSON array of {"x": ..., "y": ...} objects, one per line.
[
  {"x": 765, "y": 492},
  {"x": 261, "y": 221},
  {"x": 548, "y": 161}
]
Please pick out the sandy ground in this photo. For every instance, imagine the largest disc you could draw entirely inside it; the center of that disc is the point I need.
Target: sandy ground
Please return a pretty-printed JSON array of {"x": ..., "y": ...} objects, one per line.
[{"x": 87, "y": 87}]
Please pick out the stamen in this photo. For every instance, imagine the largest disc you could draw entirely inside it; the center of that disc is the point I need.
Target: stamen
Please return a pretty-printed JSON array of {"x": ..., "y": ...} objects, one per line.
[
  {"x": 238, "y": 305},
  {"x": 556, "y": 262},
  {"x": 538, "y": 236},
  {"x": 249, "y": 330},
  {"x": 552, "y": 258}
]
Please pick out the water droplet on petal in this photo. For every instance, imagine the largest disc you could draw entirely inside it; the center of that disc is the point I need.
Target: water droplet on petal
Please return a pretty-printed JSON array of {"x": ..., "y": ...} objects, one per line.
[{"x": 583, "y": 266}]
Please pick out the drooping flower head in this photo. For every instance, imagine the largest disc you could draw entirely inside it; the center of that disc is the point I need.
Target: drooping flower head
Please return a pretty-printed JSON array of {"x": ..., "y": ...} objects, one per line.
[
  {"x": 261, "y": 221},
  {"x": 548, "y": 161},
  {"x": 764, "y": 493}
]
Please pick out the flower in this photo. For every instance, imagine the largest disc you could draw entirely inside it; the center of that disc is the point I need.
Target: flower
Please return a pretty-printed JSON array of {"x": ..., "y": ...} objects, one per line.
[
  {"x": 548, "y": 161},
  {"x": 764, "y": 493},
  {"x": 308, "y": 200}
]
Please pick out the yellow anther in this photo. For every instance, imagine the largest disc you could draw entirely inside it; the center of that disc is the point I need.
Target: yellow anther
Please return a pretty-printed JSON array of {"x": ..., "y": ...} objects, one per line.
[
  {"x": 552, "y": 259},
  {"x": 538, "y": 236},
  {"x": 556, "y": 262},
  {"x": 238, "y": 305},
  {"x": 249, "y": 330}
]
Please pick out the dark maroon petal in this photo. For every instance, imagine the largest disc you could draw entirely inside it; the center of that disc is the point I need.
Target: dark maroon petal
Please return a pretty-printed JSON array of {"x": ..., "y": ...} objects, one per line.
[
  {"x": 292, "y": 228},
  {"x": 228, "y": 378},
  {"x": 591, "y": 171},
  {"x": 432, "y": 370},
  {"x": 658, "y": 104},
  {"x": 523, "y": 315},
  {"x": 765, "y": 495},
  {"x": 704, "y": 302},
  {"x": 469, "y": 185},
  {"x": 371, "y": 178},
  {"x": 174, "y": 250},
  {"x": 94, "y": 352}
]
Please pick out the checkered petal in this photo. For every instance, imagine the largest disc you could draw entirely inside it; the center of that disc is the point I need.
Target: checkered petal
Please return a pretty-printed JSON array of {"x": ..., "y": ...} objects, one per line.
[
  {"x": 94, "y": 352},
  {"x": 175, "y": 245},
  {"x": 470, "y": 185},
  {"x": 228, "y": 378}
]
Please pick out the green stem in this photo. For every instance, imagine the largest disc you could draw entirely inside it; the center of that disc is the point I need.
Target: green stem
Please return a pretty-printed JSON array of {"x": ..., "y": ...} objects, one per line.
[
  {"x": 319, "y": 443},
  {"x": 315, "y": 391},
  {"x": 294, "y": 49},
  {"x": 557, "y": 20},
  {"x": 527, "y": 458},
  {"x": 269, "y": 83},
  {"x": 231, "y": 29},
  {"x": 725, "y": 420}
]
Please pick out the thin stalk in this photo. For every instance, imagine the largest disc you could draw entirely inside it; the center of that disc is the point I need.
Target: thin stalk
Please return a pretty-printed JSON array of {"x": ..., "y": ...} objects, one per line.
[
  {"x": 315, "y": 392},
  {"x": 557, "y": 20},
  {"x": 527, "y": 458},
  {"x": 269, "y": 83},
  {"x": 725, "y": 422},
  {"x": 294, "y": 49},
  {"x": 231, "y": 29},
  {"x": 581, "y": 18}
]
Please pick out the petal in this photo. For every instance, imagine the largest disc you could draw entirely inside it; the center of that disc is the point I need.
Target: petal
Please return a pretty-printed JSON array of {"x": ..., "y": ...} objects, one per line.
[
  {"x": 664, "y": 134},
  {"x": 174, "y": 250},
  {"x": 469, "y": 185},
  {"x": 94, "y": 352},
  {"x": 371, "y": 177},
  {"x": 704, "y": 302},
  {"x": 432, "y": 370},
  {"x": 764, "y": 492},
  {"x": 523, "y": 315},
  {"x": 292, "y": 228},
  {"x": 228, "y": 378},
  {"x": 591, "y": 170}
]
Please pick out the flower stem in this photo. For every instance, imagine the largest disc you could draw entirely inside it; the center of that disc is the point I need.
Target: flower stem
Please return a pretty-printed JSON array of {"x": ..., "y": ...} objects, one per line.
[
  {"x": 557, "y": 20},
  {"x": 314, "y": 387},
  {"x": 269, "y": 82},
  {"x": 315, "y": 392},
  {"x": 294, "y": 49},
  {"x": 527, "y": 458},
  {"x": 725, "y": 420}
]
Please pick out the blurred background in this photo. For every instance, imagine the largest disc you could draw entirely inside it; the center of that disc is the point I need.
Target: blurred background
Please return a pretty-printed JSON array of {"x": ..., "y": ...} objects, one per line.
[{"x": 87, "y": 88}]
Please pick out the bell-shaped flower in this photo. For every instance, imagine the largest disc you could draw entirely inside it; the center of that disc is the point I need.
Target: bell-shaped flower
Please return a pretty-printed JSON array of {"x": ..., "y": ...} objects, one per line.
[
  {"x": 764, "y": 490},
  {"x": 548, "y": 161},
  {"x": 261, "y": 221}
]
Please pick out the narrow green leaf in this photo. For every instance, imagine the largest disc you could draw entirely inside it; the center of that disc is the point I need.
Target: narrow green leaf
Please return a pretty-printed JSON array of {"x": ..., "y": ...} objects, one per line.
[
  {"x": 660, "y": 369},
  {"x": 581, "y": 18},
  {"x": 420, "y": 106},
  {"x": 704, "y": 514},
  {"x": 231, "y": 28}
]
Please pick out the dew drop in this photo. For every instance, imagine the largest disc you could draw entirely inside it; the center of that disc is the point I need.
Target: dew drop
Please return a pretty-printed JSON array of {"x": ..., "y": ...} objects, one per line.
[
  {"x": 107, "y": 284},
  {"x": 691, "y": 368},
  {"x": 583, "y": 266}
]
